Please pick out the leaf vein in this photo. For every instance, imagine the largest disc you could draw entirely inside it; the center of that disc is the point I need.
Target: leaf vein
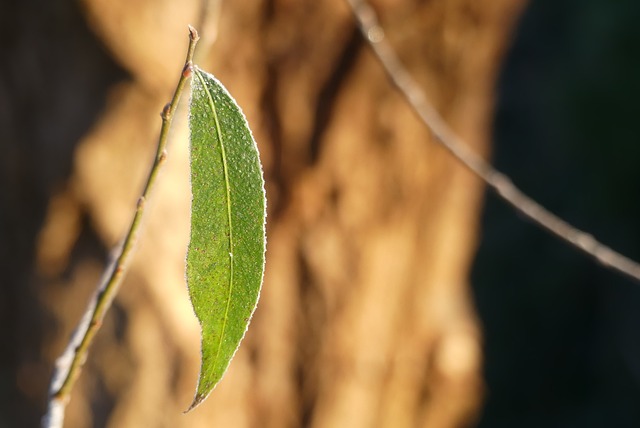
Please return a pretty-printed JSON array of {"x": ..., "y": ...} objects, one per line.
[{"x": 228, "y": 192}]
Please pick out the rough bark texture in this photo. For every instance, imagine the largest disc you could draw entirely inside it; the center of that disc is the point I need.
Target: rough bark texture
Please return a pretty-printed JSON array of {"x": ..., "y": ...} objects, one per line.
[{"x": 365, "y": 318}]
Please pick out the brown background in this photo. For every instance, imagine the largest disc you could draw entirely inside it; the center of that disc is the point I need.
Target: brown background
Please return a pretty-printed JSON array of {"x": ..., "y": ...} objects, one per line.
[{"x": 365, "y": 318}]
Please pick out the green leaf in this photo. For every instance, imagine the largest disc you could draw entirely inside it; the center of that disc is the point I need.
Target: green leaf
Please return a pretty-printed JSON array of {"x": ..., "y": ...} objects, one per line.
[{"x": 225, "y": 259}]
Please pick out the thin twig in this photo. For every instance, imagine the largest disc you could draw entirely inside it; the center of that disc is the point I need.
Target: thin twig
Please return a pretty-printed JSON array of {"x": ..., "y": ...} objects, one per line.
[
  {"x": 500, "y": 183},
  {"x": 68, "y": 366}
]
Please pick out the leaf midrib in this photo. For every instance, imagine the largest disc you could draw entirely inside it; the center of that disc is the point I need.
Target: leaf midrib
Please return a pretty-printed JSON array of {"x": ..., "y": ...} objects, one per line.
[{"x": 228, "y": 191}]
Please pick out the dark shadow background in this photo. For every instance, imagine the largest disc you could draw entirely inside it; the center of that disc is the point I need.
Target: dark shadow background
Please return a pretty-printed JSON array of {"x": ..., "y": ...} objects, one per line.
[{"x": 562, "y": 334}]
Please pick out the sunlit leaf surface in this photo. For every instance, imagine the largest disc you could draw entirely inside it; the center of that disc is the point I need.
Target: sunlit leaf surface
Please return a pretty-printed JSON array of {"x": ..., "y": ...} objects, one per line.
[{"x": 225, "y": 260}]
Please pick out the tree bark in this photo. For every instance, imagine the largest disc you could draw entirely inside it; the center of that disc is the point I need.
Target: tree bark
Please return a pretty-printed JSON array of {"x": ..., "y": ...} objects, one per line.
[{"x": 365, "y": 317}]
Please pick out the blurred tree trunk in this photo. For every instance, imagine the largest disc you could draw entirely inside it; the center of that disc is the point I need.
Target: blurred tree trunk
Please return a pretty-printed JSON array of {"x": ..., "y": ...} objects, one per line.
[{"x": 365, "y": 317}]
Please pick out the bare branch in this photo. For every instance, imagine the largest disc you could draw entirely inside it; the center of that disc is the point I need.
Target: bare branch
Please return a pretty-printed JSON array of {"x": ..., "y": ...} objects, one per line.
[
  {"x": 500, "y": 183},
  {"x": 68, "y": 365}
]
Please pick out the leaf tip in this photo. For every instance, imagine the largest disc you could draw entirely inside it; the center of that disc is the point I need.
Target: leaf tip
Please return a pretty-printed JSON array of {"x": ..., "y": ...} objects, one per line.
[{"x": 197, "y": 400}]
